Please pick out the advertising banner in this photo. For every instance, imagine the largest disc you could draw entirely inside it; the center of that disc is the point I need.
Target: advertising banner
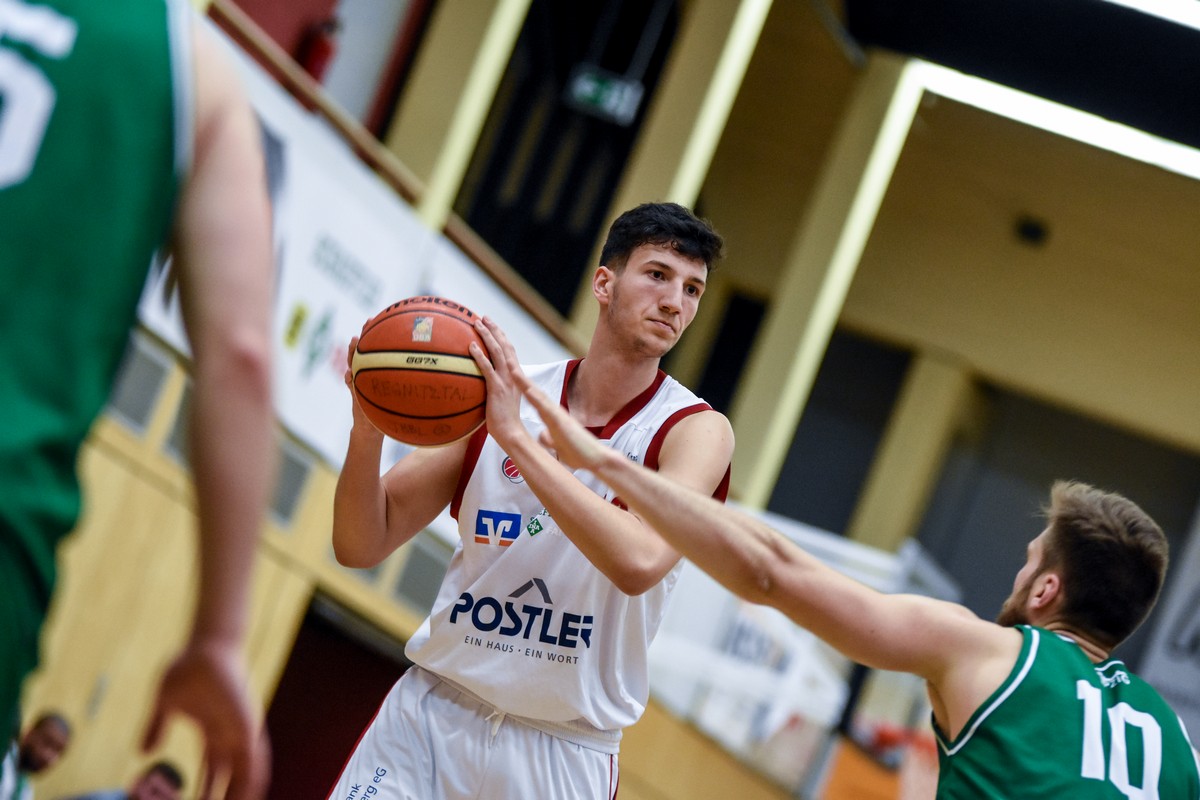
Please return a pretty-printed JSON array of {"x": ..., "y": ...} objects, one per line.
[{"x": 346, "y": 247}]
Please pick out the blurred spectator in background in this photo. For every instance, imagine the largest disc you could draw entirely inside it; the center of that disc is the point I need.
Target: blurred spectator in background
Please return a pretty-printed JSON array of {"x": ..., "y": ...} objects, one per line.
[
  {"x": 159, "y": 781},
  {"x": 43, "y": 744}
]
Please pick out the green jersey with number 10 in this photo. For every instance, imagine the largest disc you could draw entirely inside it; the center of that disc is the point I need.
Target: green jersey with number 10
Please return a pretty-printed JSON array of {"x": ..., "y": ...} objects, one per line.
[{"x": 1063, "y": 727}]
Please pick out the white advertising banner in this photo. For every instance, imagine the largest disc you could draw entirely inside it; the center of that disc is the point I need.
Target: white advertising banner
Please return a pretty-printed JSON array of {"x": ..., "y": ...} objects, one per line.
[{"x": 346, "y": 247}]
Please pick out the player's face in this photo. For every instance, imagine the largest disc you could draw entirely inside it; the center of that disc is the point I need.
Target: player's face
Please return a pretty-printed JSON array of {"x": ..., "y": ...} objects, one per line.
[
  {"x": 154, "y": 787},
  {"x": 654, "y": 298},
  {"x": 1013, "y": 612},
  {"x": 43, "y": 745}
]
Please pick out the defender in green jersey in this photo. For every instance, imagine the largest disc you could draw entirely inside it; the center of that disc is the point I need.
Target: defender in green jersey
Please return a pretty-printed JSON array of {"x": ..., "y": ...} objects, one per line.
[
  {"x": 123, "y": 128},
  {"x": 1030, "y": 706},
  {"x": 1063, "y": 726}
]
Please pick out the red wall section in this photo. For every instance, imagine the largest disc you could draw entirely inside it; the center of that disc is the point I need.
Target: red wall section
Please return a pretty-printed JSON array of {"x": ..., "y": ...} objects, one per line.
[{"x": 287, "y": 21}]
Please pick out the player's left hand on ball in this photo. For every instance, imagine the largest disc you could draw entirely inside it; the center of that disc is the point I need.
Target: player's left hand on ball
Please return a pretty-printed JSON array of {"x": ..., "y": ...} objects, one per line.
[{"x": 504, "y": 380}]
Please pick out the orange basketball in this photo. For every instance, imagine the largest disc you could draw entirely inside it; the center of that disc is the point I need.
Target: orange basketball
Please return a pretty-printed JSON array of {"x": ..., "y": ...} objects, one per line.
[{"x": 413, "y": 374}]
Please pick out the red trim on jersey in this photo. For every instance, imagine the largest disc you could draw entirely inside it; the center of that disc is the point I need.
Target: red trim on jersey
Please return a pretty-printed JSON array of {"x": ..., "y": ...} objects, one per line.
[
  {"x": 635, "y": 405},
  {"x": 571, "y": 365},
  {"x": 722, "y": 491},
  {"x": 660, "y": 436},
  {"x": 470, "y": 458}
]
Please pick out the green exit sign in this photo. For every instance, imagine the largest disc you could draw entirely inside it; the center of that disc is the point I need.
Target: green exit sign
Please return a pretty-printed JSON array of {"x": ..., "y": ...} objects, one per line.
[{"x": 604, "y": 94}]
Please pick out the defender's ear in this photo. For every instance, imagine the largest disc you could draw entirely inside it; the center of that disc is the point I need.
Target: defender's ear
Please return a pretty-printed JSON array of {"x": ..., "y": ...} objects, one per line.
[{"x": 1047, "y": 589}]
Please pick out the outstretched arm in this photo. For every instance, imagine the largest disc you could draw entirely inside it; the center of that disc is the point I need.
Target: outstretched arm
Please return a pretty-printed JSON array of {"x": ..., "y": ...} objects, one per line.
[
  {"x": 961, "y": 656},
  {"x": 617, "y": 542},
  {"x": 222, "y": 247}
]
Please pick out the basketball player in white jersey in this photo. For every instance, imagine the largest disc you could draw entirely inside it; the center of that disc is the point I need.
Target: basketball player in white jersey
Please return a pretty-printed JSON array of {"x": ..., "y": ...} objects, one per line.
[{"x": 534, "y": 657}]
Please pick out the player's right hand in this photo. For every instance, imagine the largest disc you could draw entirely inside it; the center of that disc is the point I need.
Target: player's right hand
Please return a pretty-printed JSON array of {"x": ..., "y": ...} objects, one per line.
[
  {"x": 207, "y": 683},
  {"x": 360, "y": 419},
  {"x": 349, "y": 375}
]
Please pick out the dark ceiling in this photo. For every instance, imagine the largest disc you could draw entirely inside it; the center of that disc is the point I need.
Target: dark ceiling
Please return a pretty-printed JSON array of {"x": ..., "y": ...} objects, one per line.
[{"x": 1112, "y": 61}]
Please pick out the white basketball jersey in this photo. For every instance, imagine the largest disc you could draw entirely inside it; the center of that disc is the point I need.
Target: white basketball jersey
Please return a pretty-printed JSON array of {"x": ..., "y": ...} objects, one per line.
[{"x": 523, "y": 620}]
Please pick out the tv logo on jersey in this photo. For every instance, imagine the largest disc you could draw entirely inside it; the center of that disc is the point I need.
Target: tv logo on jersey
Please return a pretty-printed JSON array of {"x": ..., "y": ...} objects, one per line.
[
  {"x": 497, "y": 527},
  {"x": 523, "y": 619}
]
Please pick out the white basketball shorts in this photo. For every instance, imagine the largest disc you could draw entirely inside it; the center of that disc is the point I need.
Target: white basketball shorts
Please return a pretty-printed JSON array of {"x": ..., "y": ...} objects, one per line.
[{"x": 429, "y": 741}]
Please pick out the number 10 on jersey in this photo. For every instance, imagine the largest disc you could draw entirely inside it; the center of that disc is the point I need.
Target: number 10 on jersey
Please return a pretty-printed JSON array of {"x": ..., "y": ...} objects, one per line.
[{"x": 1116, "y": 767}]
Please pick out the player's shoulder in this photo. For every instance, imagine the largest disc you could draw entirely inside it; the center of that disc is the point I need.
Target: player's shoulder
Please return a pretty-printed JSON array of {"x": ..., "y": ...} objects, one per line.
[
  {"x": 707, "y": 423},
  {"x": 539, "y": 373},
  {"x": 969, "y": 636},
  {"x": 702, "y": 440}
]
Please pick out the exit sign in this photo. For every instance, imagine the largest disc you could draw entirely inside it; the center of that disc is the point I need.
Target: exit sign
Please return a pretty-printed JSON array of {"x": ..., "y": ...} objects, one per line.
[{"x": 603, "y": 94}]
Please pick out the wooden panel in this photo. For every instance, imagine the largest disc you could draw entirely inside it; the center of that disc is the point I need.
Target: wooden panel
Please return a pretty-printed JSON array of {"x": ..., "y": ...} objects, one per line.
[
  {"x": 122, "y": 607},
  {"x": 663, "y": 757},
  {"x": 854, "y": 775}
]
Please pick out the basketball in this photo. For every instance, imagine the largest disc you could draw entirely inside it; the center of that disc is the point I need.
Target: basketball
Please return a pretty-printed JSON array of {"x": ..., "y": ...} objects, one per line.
[{"x": 414, "y": 376}]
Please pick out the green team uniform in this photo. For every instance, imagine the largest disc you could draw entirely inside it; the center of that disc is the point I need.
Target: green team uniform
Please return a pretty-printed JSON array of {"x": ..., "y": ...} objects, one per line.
[
  {"x": 1062, "y": 727},
  {"x": 94, "y": 134}
]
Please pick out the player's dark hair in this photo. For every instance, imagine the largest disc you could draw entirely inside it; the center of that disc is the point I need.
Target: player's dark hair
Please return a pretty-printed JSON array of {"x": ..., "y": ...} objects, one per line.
[
  {"x": 53, "y": 718},
  {"x": 169, "y": 771},
  {"x": 1111, "y": 556},
  {"x": 668, "y": 224}
]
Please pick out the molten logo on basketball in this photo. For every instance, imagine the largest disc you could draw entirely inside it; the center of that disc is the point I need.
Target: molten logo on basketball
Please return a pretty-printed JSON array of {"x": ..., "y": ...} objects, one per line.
[{"x": 510, "y": 470}]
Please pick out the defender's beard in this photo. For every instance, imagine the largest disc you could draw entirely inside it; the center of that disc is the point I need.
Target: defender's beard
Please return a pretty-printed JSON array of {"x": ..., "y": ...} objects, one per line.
[{"x": 1013, "y": 611}]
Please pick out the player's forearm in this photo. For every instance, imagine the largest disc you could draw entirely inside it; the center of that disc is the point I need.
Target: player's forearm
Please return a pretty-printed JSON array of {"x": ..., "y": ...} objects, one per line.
[
  {"x": 232, "y": 454},
  {"x": 360, "y": 516},
  {"x": 735, "y": 550},
  {"x": 759, "y": 564},
  {"x": 613, "y": 540}
]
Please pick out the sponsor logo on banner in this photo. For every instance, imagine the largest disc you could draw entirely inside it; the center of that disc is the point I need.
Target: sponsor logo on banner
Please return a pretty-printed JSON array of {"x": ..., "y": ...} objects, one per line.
[
  {"x": 521, "y": 618},
  {"x": 497, "y": 527},
  {"x": 295, "y": 326}
]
